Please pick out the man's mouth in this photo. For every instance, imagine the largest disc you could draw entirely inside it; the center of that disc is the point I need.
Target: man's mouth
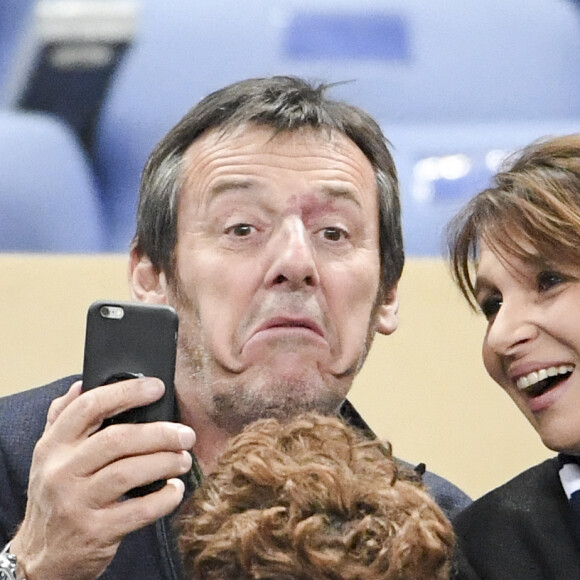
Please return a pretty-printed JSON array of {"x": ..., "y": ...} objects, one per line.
[
  {"x": 538, "y": 382},
  {"x": 291, "y": 323}
]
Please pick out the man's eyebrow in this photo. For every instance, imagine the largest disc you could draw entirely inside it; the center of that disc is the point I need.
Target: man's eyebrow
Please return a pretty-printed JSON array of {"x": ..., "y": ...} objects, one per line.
[{"x": 337, "y": 192}]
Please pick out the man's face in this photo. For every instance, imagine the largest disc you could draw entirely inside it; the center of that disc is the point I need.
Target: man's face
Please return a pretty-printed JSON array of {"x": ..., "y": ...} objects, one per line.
[{"x": 277, "y": 273}]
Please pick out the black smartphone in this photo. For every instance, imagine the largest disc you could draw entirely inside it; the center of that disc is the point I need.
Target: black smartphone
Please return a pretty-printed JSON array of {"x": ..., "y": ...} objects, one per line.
[{"x": 130, "y": 339}]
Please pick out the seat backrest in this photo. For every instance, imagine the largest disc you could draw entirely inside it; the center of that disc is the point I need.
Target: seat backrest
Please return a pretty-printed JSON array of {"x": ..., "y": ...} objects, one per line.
[
  {"x": 48, "y": 196},
  {"x": 441, "y": 166},
  {"x": 13, "y": 17}
]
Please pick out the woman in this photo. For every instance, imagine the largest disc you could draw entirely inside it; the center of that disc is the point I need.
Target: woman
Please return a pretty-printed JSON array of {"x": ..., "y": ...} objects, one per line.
[
  {"x": 515, "y": 255},
  {"x": 311, "y": 499}
]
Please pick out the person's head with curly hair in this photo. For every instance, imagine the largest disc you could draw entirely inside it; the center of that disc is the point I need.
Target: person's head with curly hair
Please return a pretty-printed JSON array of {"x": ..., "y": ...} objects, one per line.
[{"x": 312, "y": 499}]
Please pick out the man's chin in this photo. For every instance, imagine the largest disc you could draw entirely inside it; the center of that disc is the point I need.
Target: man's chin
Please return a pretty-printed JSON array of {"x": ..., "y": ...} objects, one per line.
[{"x": 283, "y": 396}]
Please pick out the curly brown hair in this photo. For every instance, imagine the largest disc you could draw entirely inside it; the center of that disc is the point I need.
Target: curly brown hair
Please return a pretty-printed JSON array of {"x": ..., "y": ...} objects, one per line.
[{"x": 312, "y": 499}]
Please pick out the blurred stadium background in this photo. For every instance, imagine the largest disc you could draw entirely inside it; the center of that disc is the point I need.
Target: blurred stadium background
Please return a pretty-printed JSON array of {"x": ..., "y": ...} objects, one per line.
[{"x": 87, "y": 87}]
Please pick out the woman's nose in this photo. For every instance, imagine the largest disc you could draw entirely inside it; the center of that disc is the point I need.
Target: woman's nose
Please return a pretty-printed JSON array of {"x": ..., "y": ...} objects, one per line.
[{"x": 512, "y": 326}]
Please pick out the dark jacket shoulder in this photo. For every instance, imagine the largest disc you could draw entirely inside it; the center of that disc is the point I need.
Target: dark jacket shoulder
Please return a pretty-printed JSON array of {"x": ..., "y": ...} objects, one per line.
[
  {"x": 23, "y": 420},
  {"x": 448, "y": 496},
  {"x": 521, "y": 530}
]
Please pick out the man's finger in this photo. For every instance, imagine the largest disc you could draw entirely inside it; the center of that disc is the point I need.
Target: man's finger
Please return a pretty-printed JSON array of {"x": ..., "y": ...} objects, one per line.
[
  {"x": 59, "y": 405},
  {"x": 84, "y": 416}
]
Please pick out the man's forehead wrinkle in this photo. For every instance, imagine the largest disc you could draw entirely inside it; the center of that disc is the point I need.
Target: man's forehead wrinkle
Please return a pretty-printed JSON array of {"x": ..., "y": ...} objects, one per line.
[
  {"x": 269, "y": 142},
  {"x": 215, "y": 159},
  {"x": 315, "y": 194},
  {"x": 226, "y": 184}
]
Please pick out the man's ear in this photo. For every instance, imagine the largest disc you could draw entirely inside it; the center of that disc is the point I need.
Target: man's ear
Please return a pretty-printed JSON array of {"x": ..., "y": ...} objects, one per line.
[
  {"x": 147, "y": 285},
  {"x": 387, "y": 316}
]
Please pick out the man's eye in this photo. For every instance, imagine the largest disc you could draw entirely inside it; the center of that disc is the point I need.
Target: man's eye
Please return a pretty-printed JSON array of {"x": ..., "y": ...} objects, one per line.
[
  {"x": 491, "y": 305},
  {"x": 548, "y": 279},
  {"x": 334, "y": 234},
  {"x": 240, "y": 230}
]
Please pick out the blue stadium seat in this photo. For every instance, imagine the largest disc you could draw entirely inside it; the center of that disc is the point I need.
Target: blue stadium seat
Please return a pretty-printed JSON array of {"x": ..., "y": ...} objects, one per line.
[
  {"x": 66, "y": 55},
  {"x": 13, "y": 16},
  {"x": 442, "y": 165},
  {"x": 48, "y": 198},
  {"x": 411, "y": 61}
]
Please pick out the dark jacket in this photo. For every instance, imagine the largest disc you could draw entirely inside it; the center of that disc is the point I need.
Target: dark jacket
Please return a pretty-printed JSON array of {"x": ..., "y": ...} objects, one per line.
[
  {"x": 149, "y": 553},
  {"x": 520, "y": 531}
]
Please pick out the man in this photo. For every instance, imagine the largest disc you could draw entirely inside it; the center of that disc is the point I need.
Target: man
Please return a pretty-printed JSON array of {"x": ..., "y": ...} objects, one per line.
[{"x": 269, "y": 218}]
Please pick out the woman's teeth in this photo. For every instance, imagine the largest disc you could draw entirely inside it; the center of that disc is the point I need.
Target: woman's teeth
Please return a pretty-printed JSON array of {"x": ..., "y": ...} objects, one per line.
[{"x": 532, "y": 379}]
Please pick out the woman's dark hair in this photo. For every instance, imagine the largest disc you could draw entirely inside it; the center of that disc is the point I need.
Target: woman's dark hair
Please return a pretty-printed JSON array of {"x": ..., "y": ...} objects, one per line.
[{"x": 531, "y": 211}]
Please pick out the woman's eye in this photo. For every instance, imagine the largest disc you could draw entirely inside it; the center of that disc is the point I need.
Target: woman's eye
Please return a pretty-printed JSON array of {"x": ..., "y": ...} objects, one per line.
[
  {"x": 490, "y": 306},
  {"x": 240, "y": 230},
  {"x": 334, "y": 234},
  {"x": 549, "y": 279}
]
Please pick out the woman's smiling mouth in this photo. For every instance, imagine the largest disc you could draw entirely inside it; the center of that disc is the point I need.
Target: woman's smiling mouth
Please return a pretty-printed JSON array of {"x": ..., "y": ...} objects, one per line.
[{"x": 538, "y": 382}]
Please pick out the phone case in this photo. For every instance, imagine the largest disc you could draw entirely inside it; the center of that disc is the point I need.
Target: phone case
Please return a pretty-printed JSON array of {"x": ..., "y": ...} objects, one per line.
[{"x": 125, "y": 340}]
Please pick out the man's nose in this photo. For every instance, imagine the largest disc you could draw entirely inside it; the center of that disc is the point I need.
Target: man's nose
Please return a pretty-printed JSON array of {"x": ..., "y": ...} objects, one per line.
[
  {"x": 293, "y": 261},
  {"x": 512, "y": 327}
]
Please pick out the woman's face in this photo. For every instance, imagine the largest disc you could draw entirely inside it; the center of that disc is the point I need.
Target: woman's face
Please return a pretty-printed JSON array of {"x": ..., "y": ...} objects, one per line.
[{"x": 532, "y": 342}]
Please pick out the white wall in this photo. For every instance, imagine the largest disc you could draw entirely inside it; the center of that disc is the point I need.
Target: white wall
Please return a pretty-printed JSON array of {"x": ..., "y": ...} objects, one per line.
[{"x": 423, "y": 388}]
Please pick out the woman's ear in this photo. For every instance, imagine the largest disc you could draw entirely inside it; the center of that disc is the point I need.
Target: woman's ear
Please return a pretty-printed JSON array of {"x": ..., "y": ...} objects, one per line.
[
  {"x": 387, "y": 315},
  {"x": 146, "y": 283}
]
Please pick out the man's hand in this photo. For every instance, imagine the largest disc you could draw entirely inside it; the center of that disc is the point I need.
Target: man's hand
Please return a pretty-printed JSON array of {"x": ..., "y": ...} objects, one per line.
[{"x": 74, "y": 519}]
